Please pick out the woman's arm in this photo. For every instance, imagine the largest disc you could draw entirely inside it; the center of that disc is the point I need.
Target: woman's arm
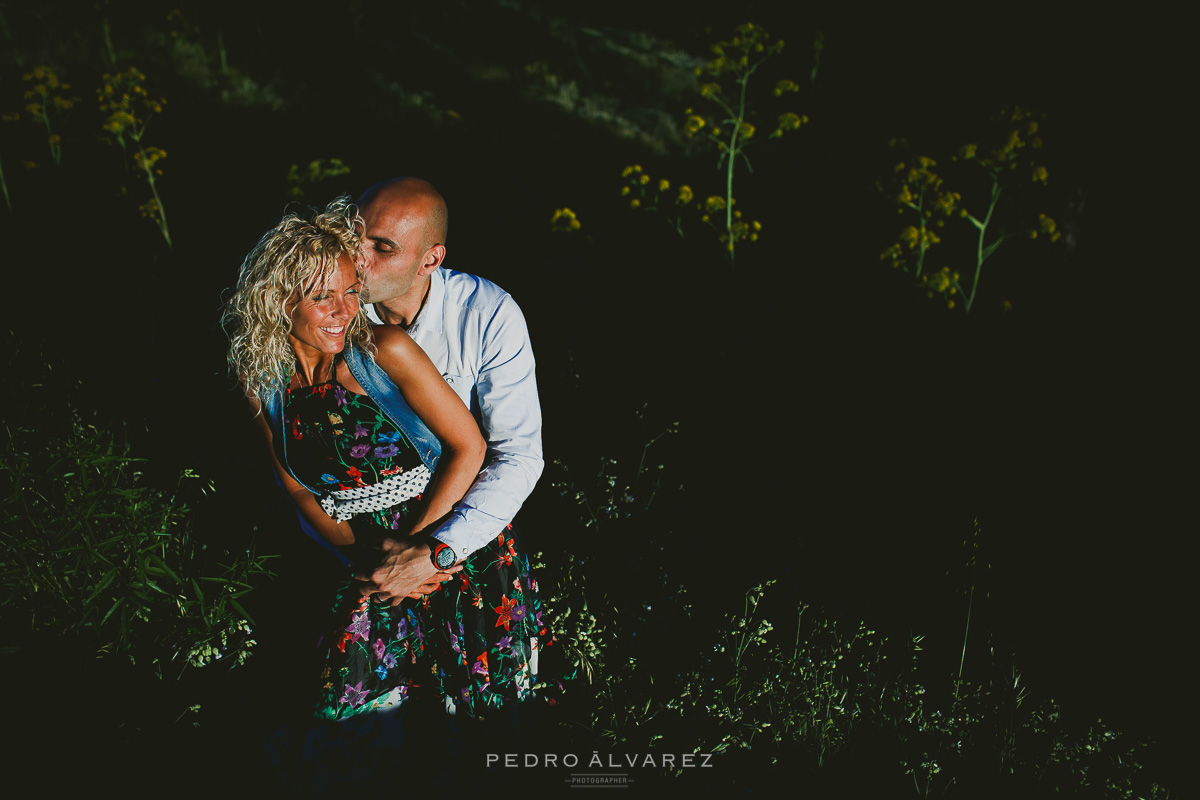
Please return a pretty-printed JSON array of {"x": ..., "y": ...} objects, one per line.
[
  {"x": 336, "y": 533},
  {"x": 407, "y": 569},
  {"x": 436, "y": 404}
]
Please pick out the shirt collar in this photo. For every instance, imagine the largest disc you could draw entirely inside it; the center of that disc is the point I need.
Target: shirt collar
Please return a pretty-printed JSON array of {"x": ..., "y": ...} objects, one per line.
[{"x": 432, "y": 315}]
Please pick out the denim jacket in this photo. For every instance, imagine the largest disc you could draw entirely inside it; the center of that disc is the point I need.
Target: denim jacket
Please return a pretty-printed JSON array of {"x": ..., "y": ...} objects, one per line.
[{"x": 380, "y": 388}]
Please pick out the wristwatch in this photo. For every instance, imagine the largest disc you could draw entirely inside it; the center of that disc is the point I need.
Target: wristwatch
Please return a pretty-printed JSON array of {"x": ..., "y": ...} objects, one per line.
[{"x": 443, "y": 556}]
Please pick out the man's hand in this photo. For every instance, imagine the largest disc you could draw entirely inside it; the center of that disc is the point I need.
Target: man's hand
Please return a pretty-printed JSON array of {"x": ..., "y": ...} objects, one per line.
[{"x": 404, "y": 571}]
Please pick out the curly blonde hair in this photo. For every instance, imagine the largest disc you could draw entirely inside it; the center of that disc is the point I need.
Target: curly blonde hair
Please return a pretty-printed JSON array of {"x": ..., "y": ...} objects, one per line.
[{"x": 298, "y": 253}]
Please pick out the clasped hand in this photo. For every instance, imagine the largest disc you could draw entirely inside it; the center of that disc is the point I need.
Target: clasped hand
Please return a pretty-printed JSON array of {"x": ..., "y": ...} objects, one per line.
[{"x": 405, "y": 570}]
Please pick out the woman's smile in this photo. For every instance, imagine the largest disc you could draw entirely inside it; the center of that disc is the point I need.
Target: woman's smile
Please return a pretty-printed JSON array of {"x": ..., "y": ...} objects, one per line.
[{"x": 321, "y": 316}]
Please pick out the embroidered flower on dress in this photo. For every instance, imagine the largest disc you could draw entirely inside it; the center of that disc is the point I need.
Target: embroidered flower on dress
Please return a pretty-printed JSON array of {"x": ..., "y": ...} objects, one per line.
[
  {"x": 505, "y": 611},
  {"x": 359, "y": 627},
  {"x": 360, "y": 450},
  {"x": 354, "y": 696},
  {"x": 360, "y": 430},
  {"x": 480, "y": 667},
  {"x": 388, "y": 438},
  {"x": 386, "y": 452}
]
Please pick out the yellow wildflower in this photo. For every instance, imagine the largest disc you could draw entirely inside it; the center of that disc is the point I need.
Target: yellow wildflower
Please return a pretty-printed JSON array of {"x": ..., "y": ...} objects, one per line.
[
  {"x": 714, "y": 203},
  {"x": 564, "y": 219},
  {"x": 685, "y": 195},
  {"x": 1049, "y": 226},
  {"x": 789, "y": 121},
  {"x": 693, "y": 124},
  {"x": 664, "y": 184},
  {"x": 947, "y": 202},
  {"x": 1040, "y": 174},
  {"x": 634, "y": 203},
  {"x": 644, "y": 179}
]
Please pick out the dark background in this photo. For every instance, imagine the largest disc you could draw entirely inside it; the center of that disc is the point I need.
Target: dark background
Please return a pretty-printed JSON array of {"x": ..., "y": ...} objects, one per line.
[{"x": 827, "y": 409}]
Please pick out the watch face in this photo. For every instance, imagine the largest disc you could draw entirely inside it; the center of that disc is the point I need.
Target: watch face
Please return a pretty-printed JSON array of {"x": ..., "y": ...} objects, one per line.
[{"x": 445, "y": 557}]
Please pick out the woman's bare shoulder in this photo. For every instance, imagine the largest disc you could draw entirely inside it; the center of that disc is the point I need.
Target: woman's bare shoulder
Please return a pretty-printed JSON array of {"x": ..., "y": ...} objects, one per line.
[{"x": 393, "y": 345}]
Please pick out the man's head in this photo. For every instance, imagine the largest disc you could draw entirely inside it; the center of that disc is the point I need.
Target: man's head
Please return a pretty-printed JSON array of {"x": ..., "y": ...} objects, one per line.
[{"x": 404, "y": 239}]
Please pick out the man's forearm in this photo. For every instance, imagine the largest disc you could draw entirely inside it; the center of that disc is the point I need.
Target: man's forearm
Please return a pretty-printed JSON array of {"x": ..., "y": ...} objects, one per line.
[{"x": 491, "y": 503}]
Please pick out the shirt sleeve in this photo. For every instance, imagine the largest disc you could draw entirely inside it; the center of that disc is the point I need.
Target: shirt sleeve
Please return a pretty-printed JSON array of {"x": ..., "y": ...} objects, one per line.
[{"x": 511, "y": 420}]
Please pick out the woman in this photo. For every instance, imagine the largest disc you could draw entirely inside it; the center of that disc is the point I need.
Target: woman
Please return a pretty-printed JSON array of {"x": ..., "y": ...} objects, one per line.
[{"x": 370, "y": 442}]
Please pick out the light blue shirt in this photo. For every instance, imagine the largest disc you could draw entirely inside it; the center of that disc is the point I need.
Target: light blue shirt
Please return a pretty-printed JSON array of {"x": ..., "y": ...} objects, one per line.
[{"x": 474, "y": 333}]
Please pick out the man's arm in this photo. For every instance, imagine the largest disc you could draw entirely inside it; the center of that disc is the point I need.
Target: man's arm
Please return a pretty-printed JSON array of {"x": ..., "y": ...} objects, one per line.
[{"x": 511, "y": 418}]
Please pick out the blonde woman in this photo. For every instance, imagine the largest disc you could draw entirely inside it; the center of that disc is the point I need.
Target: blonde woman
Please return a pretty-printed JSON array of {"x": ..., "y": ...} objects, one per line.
[{"x": 371, "y": 443}]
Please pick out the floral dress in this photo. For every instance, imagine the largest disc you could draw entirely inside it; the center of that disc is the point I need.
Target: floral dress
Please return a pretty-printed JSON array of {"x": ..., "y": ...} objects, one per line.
[{"x": 472, "y": 645}]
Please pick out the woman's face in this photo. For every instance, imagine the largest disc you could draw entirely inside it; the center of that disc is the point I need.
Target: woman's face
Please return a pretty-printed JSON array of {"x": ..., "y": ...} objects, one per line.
[{"x": 320, "y": 317}]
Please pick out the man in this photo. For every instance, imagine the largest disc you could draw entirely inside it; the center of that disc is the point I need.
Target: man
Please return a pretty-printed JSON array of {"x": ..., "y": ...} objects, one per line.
[{"x": 476, "y": 336}]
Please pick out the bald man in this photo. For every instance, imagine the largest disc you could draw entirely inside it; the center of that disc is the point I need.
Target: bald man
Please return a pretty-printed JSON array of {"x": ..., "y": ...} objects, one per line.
[{"x": 476, "y": 336}]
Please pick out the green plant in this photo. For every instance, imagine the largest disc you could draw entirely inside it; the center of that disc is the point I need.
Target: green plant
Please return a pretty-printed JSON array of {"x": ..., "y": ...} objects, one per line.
[
  {"x": 129, "y": 108},
  {"x": 811, "y": 691},
  {"x": 316, "y": 171},
  {"x": 595, "y": 630},
  {"x": 730, "y": 129},
  {"x": 4, "y": 188},
  {"x": 92, "y": 555},
  {"x": 1014, "y": 161},
  {"x": 47, "y": 101},
  {"x": 769, "y": 685}
]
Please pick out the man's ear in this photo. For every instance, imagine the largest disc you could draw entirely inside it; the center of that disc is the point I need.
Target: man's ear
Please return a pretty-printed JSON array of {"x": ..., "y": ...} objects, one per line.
[{"x": 433, "y": 260}]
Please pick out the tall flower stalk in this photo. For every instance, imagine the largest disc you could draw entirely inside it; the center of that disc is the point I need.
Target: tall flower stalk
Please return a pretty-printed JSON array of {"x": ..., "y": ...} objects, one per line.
[
  {"x": 47, "y": 99},
  {"x": 728, "y": 77},
  {"x": 921, "y": 196},
  {"x": 129, "y": 108},
  {"x": 729, "y": 128}
]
